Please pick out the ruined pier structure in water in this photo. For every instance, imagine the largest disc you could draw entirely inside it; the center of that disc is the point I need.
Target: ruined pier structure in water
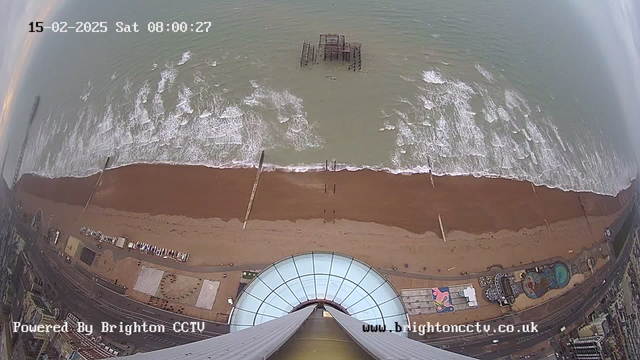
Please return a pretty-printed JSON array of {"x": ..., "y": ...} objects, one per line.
[{"x": 332, "y": 47}]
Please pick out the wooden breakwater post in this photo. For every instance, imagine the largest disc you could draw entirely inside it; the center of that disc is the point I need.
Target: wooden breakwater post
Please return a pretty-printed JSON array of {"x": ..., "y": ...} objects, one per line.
[
  {"x": 442, "y": 228},
  {"x": 106, "y": 163},
  {"x": 431, "y": 173},
  {"x": 584, "y": 211},
  {"x": 253, "y": 192}
]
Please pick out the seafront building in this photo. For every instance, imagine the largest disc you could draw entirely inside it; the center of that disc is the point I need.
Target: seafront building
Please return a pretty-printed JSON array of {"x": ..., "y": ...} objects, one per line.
[
  {"x": 36, "y": 312},
  {"x": 313, "y": 306},
  {"x": 595, "y": 328},
  {"x": 589, "y": 348}
]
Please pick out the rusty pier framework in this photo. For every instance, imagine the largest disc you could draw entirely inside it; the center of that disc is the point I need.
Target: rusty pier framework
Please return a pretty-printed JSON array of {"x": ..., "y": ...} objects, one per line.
[{"x": 332, "y": 47}]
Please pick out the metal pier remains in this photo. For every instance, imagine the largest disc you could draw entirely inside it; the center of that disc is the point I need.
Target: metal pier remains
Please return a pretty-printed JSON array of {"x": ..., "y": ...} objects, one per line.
[{"x": 332, "y": 47}]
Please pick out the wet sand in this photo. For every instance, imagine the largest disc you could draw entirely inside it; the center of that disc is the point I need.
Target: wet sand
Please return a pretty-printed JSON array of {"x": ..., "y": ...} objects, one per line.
[{"x": 464, "y": 203}]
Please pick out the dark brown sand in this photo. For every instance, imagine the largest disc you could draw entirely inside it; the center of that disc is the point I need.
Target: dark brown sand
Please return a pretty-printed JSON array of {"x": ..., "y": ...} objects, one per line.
[{"x": 472, "y": 205}]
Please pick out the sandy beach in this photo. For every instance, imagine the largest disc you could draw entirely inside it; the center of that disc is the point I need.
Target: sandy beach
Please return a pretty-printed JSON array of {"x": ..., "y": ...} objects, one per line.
[
  {"x": 384, "y": 219},
  {"x": 472, "y": 205}
]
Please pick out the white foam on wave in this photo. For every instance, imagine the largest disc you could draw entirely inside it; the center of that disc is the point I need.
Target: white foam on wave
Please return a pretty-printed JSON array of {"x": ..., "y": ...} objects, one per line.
[
  {"x": 433, "y": 77},
  {"x": 289, "y": 112},
  {"x": 157, "y": 107},
  {"x": 140, "y": 113},
  {"x": 198, "y": 78},
  {"x": 231, "y": 112},
  {"x": 490, "y": 109},
  {"x": 487, "y": 75},
  {"x": 168, "y": 76},
  {"x": 438, "y": 126},
  {"x": 211, "y": 63},
  {"x": 387, "y": 127},
  {"x": 512, "y": 142},
  {"x": 127, "y": 86},
  {"x": 186, "y": 56},
  {"x": 503, "y": 114},
  {"x": 426, "y": 102},
  {"x": 253, "y": 163},
  {"x": 86, "y": 92},
  {"x": 184, "y": 97},
  {"x": 204, "y": 128}
]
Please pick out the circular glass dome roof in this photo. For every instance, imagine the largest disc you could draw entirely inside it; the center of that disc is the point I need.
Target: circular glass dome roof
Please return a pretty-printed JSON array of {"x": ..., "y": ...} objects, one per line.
[{"x": 350, "y": 285}]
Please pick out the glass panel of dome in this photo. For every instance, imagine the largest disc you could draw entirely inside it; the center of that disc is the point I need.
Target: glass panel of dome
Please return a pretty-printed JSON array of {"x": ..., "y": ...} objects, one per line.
[
  {"x": 249, "y": 288},
  {"x": 278, "y": 302},
  {"x": 304, "y": 264},
  {"x": 357, "y": 313},
  {"x": 391, "y": 308},
  {"x": 345, "y": 289},
  {"x": 309, "y": 286},
  {"x": 384, "y": 293},
  {"x": 322, "y": 263},
  {"x": 248, "y": 302},
  {"x": 340, "y": 265},
  {"x": 362, "y": 304},
  {"x": 287, "y": 295},
  {"x": 334, "y": 285},
  {"x": 357, "y": 294},
  {"x": 271, "y": 277},
  {"x": 286, "y": 269},
  {"x": 269, "y": 310},
  {"x": 296, "y": 287},
  {"x": 242, "y": 317},
  {"x": 372, "y": 281},
  {"x": 259, "y": 290},
  {"x": 357, "y": 271},
  {"x": 365, "y": 311},
  {"x": 360, "y": 292},
  {"x": 321, "y": 284}
]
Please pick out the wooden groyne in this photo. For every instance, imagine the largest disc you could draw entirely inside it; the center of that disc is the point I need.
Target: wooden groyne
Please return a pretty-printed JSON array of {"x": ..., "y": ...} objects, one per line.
[
  {"x": 106, "y": 163},
  {"x": 253, "y": 192}
]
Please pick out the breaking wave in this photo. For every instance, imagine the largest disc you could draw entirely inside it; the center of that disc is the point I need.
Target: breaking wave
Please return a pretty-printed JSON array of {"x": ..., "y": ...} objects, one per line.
[
  {"x": 487, "y": 75},
  {"x": 203, "y": 128},
  {"x": 448, "y": 127},
  {"x": 501, "y": 138},
  {"x": 186, "y": 56}
]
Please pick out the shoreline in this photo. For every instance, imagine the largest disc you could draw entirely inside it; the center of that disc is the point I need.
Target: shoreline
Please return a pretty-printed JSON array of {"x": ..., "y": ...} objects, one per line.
[
  {"x": 388, "y": 221},
  {"x": 464, "y": 203},
  {"x": 319, "y": 167}
]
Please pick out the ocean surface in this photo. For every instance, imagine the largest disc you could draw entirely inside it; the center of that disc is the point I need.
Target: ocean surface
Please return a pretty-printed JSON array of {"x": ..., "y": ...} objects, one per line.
[{"x": 489, "y": 88}]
